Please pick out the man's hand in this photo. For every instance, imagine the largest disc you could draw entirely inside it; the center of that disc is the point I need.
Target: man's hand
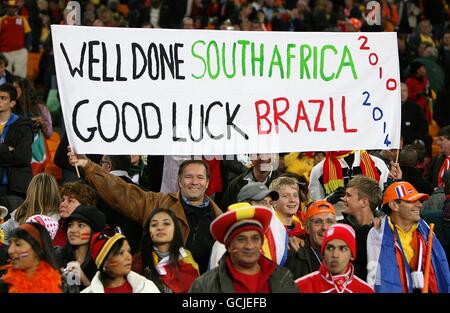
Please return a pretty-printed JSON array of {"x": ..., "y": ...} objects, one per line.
[
  {"x": 396, "y": 171},
  {"x": 376, "y": 222},
  {"x": 295, "y": 243},
  {"x": 76, "y": 159}
]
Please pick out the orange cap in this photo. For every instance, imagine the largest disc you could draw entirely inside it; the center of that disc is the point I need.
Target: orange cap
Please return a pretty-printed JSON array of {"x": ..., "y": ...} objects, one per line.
[
  {"x": 318, "y": 207},
  {"x": 403, "y": 191}
]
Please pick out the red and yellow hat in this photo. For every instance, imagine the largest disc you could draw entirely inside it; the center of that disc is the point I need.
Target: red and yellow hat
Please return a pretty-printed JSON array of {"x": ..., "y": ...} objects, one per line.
[
  {"x": 240, "y": 217},
  {"x": 403, "y": 191},
  {"x": 102, "y": 243}
]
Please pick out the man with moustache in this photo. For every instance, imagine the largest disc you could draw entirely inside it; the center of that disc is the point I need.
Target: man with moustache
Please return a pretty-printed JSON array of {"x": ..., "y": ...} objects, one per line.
[{"x": 243, "y": 268}]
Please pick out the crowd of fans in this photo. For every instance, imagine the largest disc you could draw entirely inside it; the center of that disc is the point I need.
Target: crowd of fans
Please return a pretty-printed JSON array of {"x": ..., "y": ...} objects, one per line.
[{"x": 336, "y": 221}]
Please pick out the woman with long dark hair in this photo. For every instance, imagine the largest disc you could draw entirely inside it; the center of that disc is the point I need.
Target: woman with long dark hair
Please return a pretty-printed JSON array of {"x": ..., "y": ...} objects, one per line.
[
  {"x": 164, "y": 260},
  {"x": 33, "y": 262},
  {"x": 75, "y": 257}
]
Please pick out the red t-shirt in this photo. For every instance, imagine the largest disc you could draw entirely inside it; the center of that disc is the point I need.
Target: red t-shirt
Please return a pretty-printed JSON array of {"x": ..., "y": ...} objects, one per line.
[
  {"x": 125, "y": 288},
  {"x": 12, "y": 32},
  {"x": 250, "y": 282},
  {"x": 257, "y": 283}
]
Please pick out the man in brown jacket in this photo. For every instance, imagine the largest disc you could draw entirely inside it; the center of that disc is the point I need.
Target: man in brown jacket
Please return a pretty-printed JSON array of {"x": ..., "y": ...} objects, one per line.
[{"x": 195, "y": 211}]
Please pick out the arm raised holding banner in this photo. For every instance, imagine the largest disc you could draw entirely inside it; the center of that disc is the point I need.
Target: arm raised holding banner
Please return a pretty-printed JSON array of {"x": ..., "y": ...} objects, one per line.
[
  {"x": 124, "y": 198},
  {"x": 136, "y": 204}
]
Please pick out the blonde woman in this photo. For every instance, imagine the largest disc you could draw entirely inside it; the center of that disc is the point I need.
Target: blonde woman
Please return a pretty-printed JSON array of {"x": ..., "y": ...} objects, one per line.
[{"x": 42, "y": 198}]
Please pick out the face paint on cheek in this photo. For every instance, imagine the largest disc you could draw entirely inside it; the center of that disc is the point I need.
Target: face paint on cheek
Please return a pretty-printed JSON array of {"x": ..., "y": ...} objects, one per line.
[
  {"x": 85, "y": 236},
  {"x": 23, "y": 255}
]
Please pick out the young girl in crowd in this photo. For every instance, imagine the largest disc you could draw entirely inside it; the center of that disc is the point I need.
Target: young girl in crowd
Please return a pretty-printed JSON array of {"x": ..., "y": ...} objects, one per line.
[
  {"x": 164, "y": 260},
  {"x": 112, "y": 255},
  {"x": 42, "y": 198},
  {"x": 73, "y": 194},
  {"x": 33, "y": 263},
  {"x": 75, "y": 257}
]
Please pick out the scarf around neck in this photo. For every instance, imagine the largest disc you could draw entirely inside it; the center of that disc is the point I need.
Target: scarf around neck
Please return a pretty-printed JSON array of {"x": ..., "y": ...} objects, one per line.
[
  {"x": 332, "y": 169},
  {"x": 46, "y": 279}
]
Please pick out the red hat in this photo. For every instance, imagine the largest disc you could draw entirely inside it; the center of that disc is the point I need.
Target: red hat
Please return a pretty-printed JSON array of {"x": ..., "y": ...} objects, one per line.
[
  {"x": 403, "y": 191},
  {"x": 318, "y": 207},
  {"x": 101, "y": 244},
  {"x": 343, "y": 232},
  {"x": 241, "y": 217}
]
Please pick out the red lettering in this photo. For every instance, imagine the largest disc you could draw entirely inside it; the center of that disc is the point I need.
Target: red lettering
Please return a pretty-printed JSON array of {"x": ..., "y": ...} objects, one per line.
[
  {"x": 277, "y": 115},
  {"x": 319, "y": 114},
  {"x": 363, "y": 45},
  {"x": 301, "y": 116},
  {"x": 264, "y": 116},
  {"x": 344, "y": 118}
]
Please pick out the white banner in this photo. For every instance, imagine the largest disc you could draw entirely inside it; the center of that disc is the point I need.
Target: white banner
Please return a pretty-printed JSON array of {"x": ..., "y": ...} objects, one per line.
[{"x": 203, "y": 92}]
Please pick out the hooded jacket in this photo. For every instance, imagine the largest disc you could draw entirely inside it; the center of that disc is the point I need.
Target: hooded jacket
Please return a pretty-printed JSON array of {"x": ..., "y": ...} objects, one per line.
[{"x": 15, "y": 165}]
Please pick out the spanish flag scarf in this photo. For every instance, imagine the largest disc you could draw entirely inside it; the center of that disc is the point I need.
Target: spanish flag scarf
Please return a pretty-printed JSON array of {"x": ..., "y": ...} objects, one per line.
[{"x": 332, "y": 169}]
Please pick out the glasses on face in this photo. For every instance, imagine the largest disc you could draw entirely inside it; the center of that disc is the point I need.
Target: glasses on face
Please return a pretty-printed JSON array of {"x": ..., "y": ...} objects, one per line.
[{"x": 320, "y": 222}]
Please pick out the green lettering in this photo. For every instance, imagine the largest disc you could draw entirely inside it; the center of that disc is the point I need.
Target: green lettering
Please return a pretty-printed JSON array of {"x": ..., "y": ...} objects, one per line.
[
  {"x": 208, "y": 53},
  {"x": 322, "y": 61},
  {"x": 276, "y": 55},
  {"x": 346, "y": 54},
  {"x": 289, "y": 57},
  {"x": 303, "y": 61},
  {"x": 315, "y": 62},
  {"x": 233, "y": 60},
  {"x": 259, "y": 59},
  {"x": 244, "y": 44},
  {"x": 198, "y": 57}
]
